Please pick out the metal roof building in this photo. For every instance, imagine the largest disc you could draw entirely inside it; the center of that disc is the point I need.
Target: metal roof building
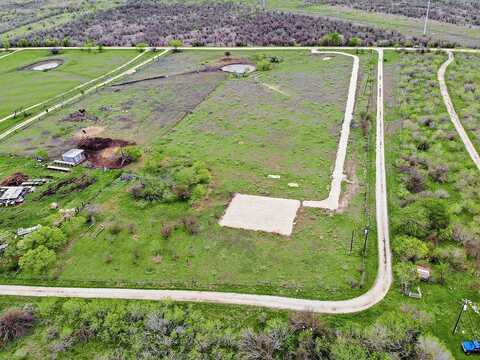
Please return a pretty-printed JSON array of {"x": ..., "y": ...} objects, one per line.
[{"x": 74, "y": 156}]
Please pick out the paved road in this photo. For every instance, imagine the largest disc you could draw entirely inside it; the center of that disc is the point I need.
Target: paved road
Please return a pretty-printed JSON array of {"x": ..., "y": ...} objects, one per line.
[
  {"x": 73, "y": 89},
  {"x": 333, "y": 200},
  {"x": 78, "y": 96},
  {"x": 363, "y": 302},
  {"x": 453, "y": 114}
]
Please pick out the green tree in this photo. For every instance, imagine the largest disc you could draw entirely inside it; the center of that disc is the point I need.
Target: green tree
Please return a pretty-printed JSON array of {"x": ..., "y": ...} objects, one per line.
[
  {"x": 437, "y": 213},
  {"x": 347, "y": 349},
  {"x": 6, "y": 44},
  {"x": 175, "y": 43},
  {"x": 131, "y": 153},
  {"x": 89, "y": 45},
  {"x": 332, "y": 39},
  {"x": 406, "y": 275},
  {"x": 443, "y": 270},
  {"x": 37, "y": 261},
  {"x": 66, "y": 42},
  {"x": 409, "y": 248},
  {"x": 51, "y": 42},
  {"x": 52, "y": 238},
  {"x": 264, "y": 65},
  {"x": 411, "y": 220},
  {"x": 23, "y": 43},
  {"x": 141, "y": 46},
  {"x": 41, "y": 154},
  {"x": 354, "y": 41}
]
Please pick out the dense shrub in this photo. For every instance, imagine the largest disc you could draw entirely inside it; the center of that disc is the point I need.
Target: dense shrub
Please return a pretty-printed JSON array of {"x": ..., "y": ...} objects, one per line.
[
  {"x": 37, "y": 261},
  {"x": 409, "y": 248},
  {"x": 168, "y": 180},
  {"x": 131, "y": 154},
  {"x": 202, "y": 24},
  {"x": 415, "y": 181},
  {"x": 430, "y": 347},
  {"x": 14, "y": 324},
  {"x": 439, "y": 173},
  {"x": 412, "y": 221},
  {"x": 50, "y": 237},
  {"x": 156, "y": 330}
]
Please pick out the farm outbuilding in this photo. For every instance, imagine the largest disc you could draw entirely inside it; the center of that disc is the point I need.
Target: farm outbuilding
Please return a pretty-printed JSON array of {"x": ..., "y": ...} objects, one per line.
[
  {"x": 74, "y": 156},
  {"x": 11, "y": 195},
  {"x": 423, "y": 272}
]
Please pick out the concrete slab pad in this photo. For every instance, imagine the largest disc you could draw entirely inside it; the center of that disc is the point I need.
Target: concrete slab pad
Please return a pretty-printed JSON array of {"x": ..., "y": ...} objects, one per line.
[{"x": 261, "y": 213}]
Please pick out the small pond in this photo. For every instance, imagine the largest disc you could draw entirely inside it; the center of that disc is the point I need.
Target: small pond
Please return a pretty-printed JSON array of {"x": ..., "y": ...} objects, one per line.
[{"x": 45, "y": 65}]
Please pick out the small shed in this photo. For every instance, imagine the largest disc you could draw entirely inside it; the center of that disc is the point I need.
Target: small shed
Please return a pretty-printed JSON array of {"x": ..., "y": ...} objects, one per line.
[
  {"x": 74, "y": 156},
  {"x": 423, "y": 272}
]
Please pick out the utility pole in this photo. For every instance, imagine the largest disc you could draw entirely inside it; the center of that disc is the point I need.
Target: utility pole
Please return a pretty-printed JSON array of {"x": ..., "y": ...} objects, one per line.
[
  {"x": 462, "y": 310},
  {"x": 426, "y": 18}
]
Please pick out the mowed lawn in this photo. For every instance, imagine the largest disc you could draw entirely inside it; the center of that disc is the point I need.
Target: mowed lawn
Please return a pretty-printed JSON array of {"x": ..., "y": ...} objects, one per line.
[
  {"x": 21, "y": 88},
  {"x": 313, "y": 262}
]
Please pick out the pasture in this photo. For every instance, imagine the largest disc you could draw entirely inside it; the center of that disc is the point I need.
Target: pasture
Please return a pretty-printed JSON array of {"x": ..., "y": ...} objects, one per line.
[{"x": 280, "y": 121}]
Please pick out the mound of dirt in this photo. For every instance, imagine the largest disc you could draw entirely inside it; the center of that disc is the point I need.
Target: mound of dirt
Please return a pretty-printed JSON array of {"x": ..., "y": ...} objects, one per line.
[
  {"x": 105, "y": 152},
  {"x": 98, "y": 143},
  {"x": 80, "y": 115},
  {"x": 14, "y": 180}
]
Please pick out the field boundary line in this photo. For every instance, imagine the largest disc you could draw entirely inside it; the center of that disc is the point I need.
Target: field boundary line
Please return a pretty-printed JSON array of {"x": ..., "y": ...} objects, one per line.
[
  {"x": 78, "y": 96},
  {"x": 78, "y": 87},
  {"x": 453, "y": 114},
  {"x": 373, "y": 296}
]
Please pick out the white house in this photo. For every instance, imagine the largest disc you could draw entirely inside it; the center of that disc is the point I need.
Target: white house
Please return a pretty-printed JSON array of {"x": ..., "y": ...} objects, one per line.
[{"x": 74, "y": 156}]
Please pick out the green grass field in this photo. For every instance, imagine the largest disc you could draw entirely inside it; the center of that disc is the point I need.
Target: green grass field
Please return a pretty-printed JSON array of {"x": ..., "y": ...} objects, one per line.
[
  {"x": 32, "y": 87},
  {"x": 294, "y": 134}
]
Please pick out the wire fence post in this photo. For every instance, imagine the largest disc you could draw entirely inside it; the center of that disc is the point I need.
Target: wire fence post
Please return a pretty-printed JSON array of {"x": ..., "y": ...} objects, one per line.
[{"x": 351, "y": 242}]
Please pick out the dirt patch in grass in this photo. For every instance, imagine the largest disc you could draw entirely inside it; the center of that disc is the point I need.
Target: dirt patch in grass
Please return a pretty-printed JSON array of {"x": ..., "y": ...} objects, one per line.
[
  {"x": 80, "y": 115},
  {"x": 352, "y": 188},
  {"x": 90, "y": 131},
  {"x": 14, "y": 180},
  {"x": 104, "y": 152},
  {"x": 69, "y": 185},
  {"x": 98, "y": 143}
]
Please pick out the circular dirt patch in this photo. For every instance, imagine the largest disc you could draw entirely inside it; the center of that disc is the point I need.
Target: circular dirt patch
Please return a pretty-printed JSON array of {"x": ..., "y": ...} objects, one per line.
[
  {"x": 239, "y": 68},
  {"x": 89, "y": 131},
  {"x": 44, "y": 65}
]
